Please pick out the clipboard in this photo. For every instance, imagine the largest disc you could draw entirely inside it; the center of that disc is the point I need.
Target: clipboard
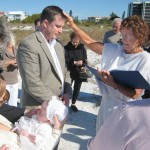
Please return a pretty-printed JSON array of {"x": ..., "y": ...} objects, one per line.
[
  {"x": 132, "y": 79},
  {"x": 93, "y": 71}
]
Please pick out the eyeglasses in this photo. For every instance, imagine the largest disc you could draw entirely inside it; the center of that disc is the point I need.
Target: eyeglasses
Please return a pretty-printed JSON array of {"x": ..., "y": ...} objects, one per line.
[{"x": 127, "y": 36}]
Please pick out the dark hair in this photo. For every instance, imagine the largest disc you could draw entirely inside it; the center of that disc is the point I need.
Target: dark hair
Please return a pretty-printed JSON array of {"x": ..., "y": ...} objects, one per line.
[
  {"x": 36, "y": 21},
  {"x": 50, "y": 12},
  {"x": 72, "y": 35},
  {"x": 138, "y": 26}
]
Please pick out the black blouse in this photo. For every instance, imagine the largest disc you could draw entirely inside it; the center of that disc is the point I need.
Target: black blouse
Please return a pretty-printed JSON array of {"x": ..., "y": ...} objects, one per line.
[{"x": 72, "y": 54}]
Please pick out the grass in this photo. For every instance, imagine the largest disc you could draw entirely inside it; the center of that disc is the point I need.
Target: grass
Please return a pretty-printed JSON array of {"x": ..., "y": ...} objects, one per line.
[
  {"x": 20, "y": 34},
  {"x": 94, "y": 31}
]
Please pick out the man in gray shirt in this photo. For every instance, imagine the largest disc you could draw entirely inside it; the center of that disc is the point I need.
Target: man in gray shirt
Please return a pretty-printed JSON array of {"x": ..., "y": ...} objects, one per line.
[{"x": 114, "y": 35}]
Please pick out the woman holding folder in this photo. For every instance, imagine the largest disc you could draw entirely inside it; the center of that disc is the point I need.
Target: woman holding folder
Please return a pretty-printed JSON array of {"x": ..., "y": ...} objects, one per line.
[{"x": 129, "y": 56}]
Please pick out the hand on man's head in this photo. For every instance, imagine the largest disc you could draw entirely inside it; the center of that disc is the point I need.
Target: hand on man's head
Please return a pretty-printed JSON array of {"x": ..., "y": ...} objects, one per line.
[{"x": 70, "y": 22}]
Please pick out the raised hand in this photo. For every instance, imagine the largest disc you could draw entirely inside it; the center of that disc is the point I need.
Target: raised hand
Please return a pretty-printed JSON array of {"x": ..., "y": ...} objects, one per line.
[{"x": 70, "y": 21}]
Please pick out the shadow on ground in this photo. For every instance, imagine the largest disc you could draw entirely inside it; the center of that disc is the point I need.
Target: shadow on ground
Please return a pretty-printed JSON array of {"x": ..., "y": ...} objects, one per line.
[
  {"x": 89, "y": 97},
  {"x": 81, "y": 130}
]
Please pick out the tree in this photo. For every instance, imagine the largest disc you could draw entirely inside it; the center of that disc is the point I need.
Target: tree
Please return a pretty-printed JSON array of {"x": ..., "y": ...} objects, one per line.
[
  {"x": 104, "y": 21},
  {"x": 70, "y": 13},
  {"x": 31, "y": 19},
  {"x": 113, "y": 16},
  {"x": 76, "y": 19},
  {"x": 123, "y": 15},
  {"x": 4, "y": 17}
]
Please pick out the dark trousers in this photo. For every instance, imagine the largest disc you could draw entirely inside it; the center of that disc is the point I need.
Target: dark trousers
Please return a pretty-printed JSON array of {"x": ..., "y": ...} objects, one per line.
[{"x": 76, "y": 90}]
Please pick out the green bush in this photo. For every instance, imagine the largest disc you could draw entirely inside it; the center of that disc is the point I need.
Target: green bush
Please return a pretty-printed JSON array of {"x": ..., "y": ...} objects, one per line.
[{"x": 31, "y": 19}]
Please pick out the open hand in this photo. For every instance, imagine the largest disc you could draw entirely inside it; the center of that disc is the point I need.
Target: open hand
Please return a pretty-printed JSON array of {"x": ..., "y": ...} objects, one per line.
[
  {"x": 10, "y": 62},
  {"x": 29, "y": 112},
  {"x": 65, "y": 98},
  {"x": 78, "y": 63},
  {"x": 107, "y": 78}
]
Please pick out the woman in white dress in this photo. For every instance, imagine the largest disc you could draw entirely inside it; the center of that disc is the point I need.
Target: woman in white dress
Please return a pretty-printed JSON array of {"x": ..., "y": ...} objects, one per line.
[{"x": 128, "y": 56}]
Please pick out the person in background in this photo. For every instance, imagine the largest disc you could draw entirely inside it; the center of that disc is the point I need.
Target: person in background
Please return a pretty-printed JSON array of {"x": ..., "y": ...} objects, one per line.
[
  {"x": 11, "y": 113},
  {"x": 127, "y": 128},
  {"x": 114, "y": 35},
  {"x": 37, "y": 23},
  {"x": 76, "y": 57},
  {"x": 41, "y": 61},
  {"x": 8, "y": 64},
  {"x": 128, "y": 56}
]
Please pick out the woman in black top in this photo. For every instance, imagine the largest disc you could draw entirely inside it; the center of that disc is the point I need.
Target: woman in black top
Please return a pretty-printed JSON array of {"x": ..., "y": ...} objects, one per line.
[
  {"x": 12, "y": 113},
  {"x": 76, "y": 57}
]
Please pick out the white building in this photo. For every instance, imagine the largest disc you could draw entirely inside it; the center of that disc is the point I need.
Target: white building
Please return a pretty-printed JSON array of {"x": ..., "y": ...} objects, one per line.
[
  {"x": 94, "y": 19},
  {"x": 1, "y": 13},
  {"x": 16, "y": 15},
  {"x": 140, "y": 8}
]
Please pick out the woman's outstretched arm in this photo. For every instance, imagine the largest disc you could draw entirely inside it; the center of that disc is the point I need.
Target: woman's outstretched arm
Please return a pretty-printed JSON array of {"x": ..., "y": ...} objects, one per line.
[{"x": 85, "y": 38}]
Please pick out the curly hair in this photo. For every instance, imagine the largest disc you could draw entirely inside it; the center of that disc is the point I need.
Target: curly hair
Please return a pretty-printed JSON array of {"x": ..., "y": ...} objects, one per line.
[{"x": 138, "y": 26}]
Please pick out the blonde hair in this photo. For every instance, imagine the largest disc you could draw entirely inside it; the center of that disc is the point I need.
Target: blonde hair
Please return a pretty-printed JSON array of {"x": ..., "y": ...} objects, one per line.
[
  {"x": 3, "y": 90},
  {"x": 2, "y": 87}
]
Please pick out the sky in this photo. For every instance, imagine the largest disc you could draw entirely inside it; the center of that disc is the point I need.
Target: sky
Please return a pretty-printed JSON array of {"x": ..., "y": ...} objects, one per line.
[{"x": 80, "y": 8}]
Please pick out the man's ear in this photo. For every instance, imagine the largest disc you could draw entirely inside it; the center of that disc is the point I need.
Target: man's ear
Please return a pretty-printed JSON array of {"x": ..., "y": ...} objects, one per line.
[{"x": 45, "y": 23}]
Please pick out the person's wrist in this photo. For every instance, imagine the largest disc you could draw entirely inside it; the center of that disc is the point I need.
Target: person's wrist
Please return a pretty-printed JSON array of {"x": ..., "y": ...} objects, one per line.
[
  {"x": 74, "y": 26},
  {"x": 68, "y": 94},
  {"x": 58, "y": 128}
]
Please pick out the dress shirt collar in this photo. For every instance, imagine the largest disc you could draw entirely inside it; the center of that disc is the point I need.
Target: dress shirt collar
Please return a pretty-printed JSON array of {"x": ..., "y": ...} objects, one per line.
[{"x": 51, "y": 42}]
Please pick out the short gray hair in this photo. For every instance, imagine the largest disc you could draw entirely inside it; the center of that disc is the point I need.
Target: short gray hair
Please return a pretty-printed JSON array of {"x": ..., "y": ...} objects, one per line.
[
  {"x": 6, "y": 36},
  {"x": 119, "y": 20}
]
